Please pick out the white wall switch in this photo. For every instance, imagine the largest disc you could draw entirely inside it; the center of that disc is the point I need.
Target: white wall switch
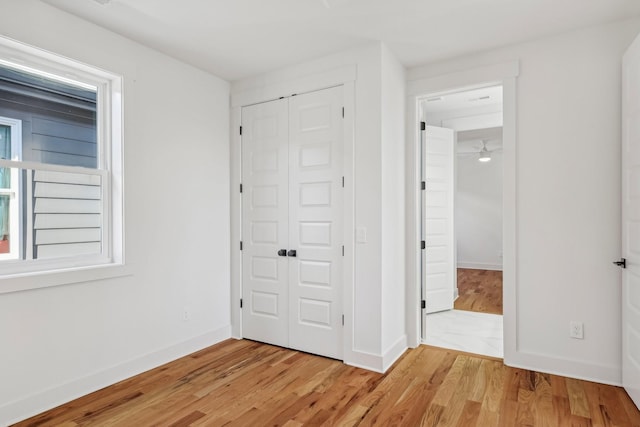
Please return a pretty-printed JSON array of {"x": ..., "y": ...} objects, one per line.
[{"x": 361, "y": 235}]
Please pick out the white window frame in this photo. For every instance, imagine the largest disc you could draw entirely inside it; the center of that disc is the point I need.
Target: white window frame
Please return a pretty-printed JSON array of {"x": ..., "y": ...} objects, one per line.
[{"x": 109, "y": 109}]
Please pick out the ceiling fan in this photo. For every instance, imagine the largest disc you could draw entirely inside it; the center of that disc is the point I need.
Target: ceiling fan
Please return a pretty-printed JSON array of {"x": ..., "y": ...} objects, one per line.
[
  {"x": 484, "y": 155},
  {"x": 482, "y": 148}
]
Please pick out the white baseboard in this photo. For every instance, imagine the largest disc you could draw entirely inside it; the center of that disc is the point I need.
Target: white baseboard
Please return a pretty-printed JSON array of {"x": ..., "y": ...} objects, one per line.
[
  {"x": 364, "y": 360},
  {"x": 479, "y": 266},
  {"x": 376, "y": 362},
  {"x": 394, "y": 352},
  {"x": 19, "y": 410},
  {"x": 577, "y": 369}
]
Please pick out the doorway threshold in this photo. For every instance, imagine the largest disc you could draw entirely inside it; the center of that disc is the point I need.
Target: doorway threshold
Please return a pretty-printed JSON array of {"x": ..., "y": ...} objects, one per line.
[{"x": 468, "y": 331}]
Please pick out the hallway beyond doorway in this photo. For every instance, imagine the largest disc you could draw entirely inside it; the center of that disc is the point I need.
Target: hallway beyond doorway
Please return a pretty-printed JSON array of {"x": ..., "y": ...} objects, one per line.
[{"x": 479, "y": 291}]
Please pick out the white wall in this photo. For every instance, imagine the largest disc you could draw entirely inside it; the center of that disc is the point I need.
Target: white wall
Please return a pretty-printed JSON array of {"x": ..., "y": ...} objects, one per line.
[
  {"x": 393, "y": 206},
  {"x": 62, "y": 342},
  {"x": 568, "y": 196},
  {"x": 363, "y": 315},
  {"x": 478, "y": 208}
]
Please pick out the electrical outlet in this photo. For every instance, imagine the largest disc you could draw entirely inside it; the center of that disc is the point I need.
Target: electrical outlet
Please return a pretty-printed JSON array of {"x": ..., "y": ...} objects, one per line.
[
  {"x": 576, "y": 329},
  {"x": 186, "y": 314}
]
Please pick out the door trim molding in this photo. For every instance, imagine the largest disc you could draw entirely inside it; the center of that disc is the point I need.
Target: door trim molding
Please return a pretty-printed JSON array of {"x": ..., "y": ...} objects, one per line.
[
  {"x": 343, "y": 76},
  {"x": 504, "y": 74},
  {"x": 269, "y": 92}
]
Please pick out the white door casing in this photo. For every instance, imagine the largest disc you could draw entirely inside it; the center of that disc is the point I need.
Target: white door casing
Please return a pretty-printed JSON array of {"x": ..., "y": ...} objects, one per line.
[
  {"x": 265, "y": 209},
  {"x": 631, "y": 221},
  {"x": 438, "y": 256},
  {"x": 315, "y": 221},
  {"x": 292, "y": 200}
]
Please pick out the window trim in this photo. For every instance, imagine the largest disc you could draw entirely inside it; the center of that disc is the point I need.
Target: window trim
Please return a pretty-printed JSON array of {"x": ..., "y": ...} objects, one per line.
[{"x": 109, "y": 137}]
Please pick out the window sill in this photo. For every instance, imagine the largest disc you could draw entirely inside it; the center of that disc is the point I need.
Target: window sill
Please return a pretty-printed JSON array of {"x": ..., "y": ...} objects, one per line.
[{"x": 67, "y": 276}]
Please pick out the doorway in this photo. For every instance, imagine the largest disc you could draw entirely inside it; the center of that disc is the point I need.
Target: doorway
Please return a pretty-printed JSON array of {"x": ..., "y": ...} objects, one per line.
[{"x": 463, "y": 291}]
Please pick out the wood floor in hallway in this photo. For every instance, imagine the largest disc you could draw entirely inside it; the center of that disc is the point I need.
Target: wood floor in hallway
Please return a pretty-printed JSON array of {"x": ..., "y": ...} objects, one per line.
[
  {"x": 479, "y": 291},
  {"x": 244, "y": 383}
]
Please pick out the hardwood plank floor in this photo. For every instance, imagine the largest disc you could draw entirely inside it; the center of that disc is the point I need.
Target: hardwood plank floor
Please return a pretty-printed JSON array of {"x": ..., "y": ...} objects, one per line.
[
  {"x": 479, "y": 290},
  {"x": 244, "y": 383}
]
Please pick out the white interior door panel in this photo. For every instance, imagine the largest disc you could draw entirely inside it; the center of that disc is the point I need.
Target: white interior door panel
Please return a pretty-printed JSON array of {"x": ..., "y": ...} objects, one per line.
[
  {"x": 315, "y": 222},
  {"x": 265, "y": 204},
  {"x": 438, "y": 256}
]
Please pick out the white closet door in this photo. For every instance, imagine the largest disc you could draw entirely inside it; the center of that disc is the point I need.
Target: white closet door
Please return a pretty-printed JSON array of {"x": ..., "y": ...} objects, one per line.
[
  {"x": 438, "y": 258},
  {"x": 265, "y": 204},
  {"x": 315, "y": 228}
]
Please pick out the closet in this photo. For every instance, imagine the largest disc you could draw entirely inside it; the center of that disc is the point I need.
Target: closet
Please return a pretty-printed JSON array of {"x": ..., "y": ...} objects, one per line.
[{"x": 292, "y": 222}]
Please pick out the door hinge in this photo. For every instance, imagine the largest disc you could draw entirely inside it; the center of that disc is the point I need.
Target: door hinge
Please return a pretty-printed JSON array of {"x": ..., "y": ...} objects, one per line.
[
  {"x": 423, "y": 244},
  {"x": 240, "y": 244},
  {"x": 622, "y": 263},
  {"x": 343, "y": 112},
  {"x": 240, "y": 302},
  {"x": 342, "y": 250},
  {"x": 423, "y": 126},
  {"x": 241, "y": 188},
  {"x": 343, "y": 320},
  {"x": 423, "y": 304},
  {"x": 423, "y": 185},
  {"x": 240, "y": 130},
  {"x": 343, "y": 182}
]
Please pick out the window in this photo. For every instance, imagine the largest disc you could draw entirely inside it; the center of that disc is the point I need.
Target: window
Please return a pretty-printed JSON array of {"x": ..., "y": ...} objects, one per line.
[{"x": 60, "y": 163}]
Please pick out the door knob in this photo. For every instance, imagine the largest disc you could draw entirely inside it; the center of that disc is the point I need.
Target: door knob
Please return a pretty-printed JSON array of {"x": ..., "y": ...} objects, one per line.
[
  {"x": 622, "y": 263},
  {"x": 292, "y": 252},
  {"x": 282, "y": 252}
]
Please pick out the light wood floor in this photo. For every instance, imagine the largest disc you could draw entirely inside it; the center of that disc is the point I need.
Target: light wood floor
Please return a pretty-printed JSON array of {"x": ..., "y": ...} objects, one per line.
[
  {"x": 243, "y": 383},
  {"x": 479, "y": 290}
]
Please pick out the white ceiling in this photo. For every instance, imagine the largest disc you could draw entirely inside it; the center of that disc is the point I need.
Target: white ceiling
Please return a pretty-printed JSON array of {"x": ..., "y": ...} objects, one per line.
[{"x": 240, "y": 38}]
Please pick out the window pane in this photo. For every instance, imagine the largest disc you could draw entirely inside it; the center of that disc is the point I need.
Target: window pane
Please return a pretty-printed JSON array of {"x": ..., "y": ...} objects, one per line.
[
  {"x": 5, "y": 154},
  {"x": 5, "y": 229},
  {"x": 62, "y": 118},
  {"x": 51, "y": 214}
]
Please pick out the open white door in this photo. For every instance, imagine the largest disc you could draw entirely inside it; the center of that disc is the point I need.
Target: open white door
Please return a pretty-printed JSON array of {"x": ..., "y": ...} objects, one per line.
[
  {"x": 438, "y": 255},
  {"x": 631, "y": 221}
]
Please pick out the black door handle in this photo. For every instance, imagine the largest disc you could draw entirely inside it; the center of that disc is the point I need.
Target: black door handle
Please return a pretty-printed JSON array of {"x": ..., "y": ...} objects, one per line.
[
  {"x": 282, "y": 252},
  {"x": 622, "y": 263},
  {"x": 292, "y": 252}
]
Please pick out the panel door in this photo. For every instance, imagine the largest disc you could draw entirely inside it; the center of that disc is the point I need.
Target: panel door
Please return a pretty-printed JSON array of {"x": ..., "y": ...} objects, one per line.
[
  {"x": 631, "y": 222},
  {"x": 265, "y": 204},
  {"x": 315, "y": 229},
  {"x": 438, "y": 257}
]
